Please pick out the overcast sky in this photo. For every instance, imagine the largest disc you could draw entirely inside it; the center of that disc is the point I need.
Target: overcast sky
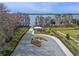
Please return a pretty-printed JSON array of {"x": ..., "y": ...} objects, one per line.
[{"x": 44, "y": 7}]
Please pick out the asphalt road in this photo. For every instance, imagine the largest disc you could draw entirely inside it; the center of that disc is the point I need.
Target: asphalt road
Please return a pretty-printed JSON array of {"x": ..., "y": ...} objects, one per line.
[{"x": 48, "y": 48}]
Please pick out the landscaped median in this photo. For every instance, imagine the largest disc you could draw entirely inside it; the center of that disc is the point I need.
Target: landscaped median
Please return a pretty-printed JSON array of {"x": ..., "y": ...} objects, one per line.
[
  {"x": 71, "y": 44},
  {"x": 18, "y": 34}
]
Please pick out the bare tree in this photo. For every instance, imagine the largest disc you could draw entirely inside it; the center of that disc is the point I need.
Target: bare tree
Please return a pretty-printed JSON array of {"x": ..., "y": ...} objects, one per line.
[{"x": 7, "y": 25}]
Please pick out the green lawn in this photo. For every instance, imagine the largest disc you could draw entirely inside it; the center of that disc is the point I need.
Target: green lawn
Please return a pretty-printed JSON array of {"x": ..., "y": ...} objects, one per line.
[{"x": 73, "y": 31}]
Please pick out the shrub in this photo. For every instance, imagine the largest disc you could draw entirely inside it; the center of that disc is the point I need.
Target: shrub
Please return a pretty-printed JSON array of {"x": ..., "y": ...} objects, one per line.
[
  {"x": 78, "y": 36},
  {"x": 68, "y": 36}
]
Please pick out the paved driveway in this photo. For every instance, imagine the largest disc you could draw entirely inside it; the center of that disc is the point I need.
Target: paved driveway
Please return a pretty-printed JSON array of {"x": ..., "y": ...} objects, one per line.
[{"x": 48, "y": 48}]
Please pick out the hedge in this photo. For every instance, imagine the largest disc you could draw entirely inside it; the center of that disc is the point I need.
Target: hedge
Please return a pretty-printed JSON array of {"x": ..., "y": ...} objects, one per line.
[{"x": 19, "y": 33}]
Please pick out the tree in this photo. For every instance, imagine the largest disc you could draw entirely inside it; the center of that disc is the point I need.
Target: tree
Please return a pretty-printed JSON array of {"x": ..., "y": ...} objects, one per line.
[
  {"x": 52, "y": 21},
  {"x": 76, "y": 21},
  {"x": 7, "y": 25}
]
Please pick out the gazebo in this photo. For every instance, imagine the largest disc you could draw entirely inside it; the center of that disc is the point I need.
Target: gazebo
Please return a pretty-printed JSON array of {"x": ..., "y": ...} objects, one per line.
[{"x": 37, "y": 28}]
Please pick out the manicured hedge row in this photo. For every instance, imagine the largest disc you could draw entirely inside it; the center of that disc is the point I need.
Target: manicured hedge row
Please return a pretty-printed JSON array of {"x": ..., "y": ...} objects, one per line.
[
  {"x": 19, "y": 33},
  {"x": 70, "y": 44}
]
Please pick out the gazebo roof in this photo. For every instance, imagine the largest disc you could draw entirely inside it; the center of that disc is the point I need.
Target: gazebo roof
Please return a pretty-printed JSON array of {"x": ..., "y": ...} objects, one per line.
[{"x": 37, "y": 27}]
